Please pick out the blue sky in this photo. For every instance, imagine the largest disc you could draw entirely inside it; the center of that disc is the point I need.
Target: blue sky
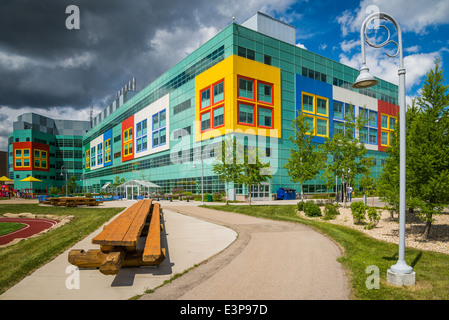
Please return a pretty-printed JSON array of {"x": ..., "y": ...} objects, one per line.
[{"x": 60, "y": 73}]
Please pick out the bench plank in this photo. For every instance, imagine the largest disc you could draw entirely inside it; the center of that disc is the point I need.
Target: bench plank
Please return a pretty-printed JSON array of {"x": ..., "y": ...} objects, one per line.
[
  {"x": 125, "y": 229},
  {"x": 152, "y": 251}
]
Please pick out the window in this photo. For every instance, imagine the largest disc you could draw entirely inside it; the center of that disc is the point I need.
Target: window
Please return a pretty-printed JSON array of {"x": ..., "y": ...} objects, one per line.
[
  {"x": 141, "y": 136},
  {"x": 392, "y": 123},
  {"x": 372, "y": 118},
  {"x": 218, "y": 92},
  {"x": 107, "y": 150},
  {"x": 246, "y": 53},
  {"x": 308, "y": 103},
  {"x": 246, "y": 113},
  {"x": 363, "y": 114},
  {"x": 267, "y": 59},
  {"x": 159, "y": 129},
  {"x": 218, "y": 117},
  {"x": 100, "y": 153},
  {"x": 264, "y": 91},
  {"x": 318, "y": 108},
  {"x": 205, "y": 98},
  {"x": 87, "y": 159},
  {"x": 127, "y": 142},
  {"x": 205, "y": 121},
  {"x": 372, "y": 136},
  {"x": 321, "y": 127},
  {"x": 92, "y": 157},
  {"x": 384, "y": 121},
  {"x": 363, "y": 135},
  {"x": 321, "y": 106},
  {"x": 246, "y": 89},
  {"x": 22, "y": 157},
  {"x": 338, "y": 127},
  {"x": 338, "y": 110},
  {"x": 384, "y": 138},
  {"x": 265, "y": 117}
]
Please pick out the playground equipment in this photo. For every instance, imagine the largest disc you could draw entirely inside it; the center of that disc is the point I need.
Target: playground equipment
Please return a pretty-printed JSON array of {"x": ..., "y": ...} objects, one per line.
[{"x": 4, "y": 189}]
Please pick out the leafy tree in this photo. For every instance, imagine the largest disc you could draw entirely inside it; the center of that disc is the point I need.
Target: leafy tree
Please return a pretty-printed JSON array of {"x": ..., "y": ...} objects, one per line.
[
  {"x": 348, "y": 155},
  {"x": 254, "y": 170},
  {"x": 428, "y": 141},
  {"x": 225, "y": 166},
  {"x": 72, "y": 184},
  {"x": 118, "y": 181},
  {"x": 427, "y": 152},
  {"x": 305, "y": 160}
]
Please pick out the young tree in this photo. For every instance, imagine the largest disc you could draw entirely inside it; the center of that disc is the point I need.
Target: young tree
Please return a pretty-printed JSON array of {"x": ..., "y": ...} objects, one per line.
[
  {"x": 72, "y": 184},
  {"x": 428, "y": 141},
  {"x": 225, "y": 166},
  {"x": 305, "y": 159},
  {"x": 254, "y": 171},
  {"x": 348, "y": 155}
]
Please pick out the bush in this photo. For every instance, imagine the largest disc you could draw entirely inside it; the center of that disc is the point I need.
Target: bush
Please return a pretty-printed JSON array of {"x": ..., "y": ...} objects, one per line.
[
  {"x": 358, "y": 210},
  {"x": 330, "y": 211},
  {"x": 88, "y": 195},
  {"x": 216, "y": 196},
  {"x": 311, "y": 209},
  {"x": 301, "y": 205},
  {"x": 373, "y": 217}
]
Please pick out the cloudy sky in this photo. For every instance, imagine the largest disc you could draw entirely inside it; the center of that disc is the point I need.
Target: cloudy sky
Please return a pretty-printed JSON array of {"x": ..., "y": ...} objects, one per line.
[{"x": 56, "y": 72}]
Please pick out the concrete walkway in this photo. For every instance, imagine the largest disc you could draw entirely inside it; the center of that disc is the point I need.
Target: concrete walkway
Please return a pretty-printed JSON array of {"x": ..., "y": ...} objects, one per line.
[
  {"x": 188, "y": 240},
  {"x": 269, "y": 260}
]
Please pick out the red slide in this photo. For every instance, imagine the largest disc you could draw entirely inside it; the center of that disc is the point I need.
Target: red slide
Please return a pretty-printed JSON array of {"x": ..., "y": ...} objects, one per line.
[{"x": 32, "y": 226}]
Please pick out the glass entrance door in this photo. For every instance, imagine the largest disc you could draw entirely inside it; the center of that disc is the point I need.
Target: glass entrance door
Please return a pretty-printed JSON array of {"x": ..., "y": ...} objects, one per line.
[{"x": 261, "y": 191}]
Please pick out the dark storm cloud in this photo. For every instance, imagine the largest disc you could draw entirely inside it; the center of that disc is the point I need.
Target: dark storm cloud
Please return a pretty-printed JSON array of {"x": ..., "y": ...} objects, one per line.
[{"x": 43, "y": 64}]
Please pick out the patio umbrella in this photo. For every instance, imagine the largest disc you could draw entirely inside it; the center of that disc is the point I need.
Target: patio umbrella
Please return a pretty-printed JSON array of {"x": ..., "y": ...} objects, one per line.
[
  {"x": 3, "y": 178},
  {"x": 31, "y": 179}
]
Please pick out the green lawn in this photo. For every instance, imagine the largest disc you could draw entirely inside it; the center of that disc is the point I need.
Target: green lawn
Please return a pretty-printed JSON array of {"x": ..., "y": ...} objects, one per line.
[
  {"x": 361, "y": 251},
  {"x": 19, "y": 260},
  {"x": 8, "y": 227}
]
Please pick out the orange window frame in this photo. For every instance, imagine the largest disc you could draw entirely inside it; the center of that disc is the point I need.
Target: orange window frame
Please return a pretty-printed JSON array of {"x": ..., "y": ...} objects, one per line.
[
  {"x": 272, "y": 114},
  {"x": 253, "y": 99}
]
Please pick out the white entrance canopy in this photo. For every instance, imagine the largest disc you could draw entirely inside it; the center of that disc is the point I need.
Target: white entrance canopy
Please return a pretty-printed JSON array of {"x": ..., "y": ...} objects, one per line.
[{"x": 137, "y": 188}]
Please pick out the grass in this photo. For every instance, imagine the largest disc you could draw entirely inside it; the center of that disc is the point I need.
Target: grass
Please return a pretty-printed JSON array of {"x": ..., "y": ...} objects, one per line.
[
  {"x": 8, "y": 227},
  {"x": 361, "y": 251},
  {"x": 21, "y": 259}
]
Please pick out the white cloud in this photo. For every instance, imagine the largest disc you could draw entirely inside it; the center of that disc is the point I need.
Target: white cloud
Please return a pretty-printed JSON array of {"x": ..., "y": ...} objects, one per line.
[
  {"x": 300, "y": 45},
  {"x": 412, "y": 15}
]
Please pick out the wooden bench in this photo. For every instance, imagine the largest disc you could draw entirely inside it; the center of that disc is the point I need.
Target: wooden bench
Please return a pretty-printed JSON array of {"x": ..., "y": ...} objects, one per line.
[{"x": 118, "y": 241}]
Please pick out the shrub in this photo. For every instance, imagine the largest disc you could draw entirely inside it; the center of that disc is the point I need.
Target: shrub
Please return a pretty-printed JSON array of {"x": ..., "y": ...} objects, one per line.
[
  {"x": 311, "y": 209},
  {"x": 88, "y": 195},
  {"x": 358, "y": 210},
  {"x": 330, "y": 211},
  {"x": 216, "y": 196},
  {"x": 373, "y": 217},
  {"x": 301, "y": 205}
]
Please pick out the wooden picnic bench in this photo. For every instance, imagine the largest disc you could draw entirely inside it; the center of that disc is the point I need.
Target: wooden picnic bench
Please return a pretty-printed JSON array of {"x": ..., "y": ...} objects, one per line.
[{"x": 118, "y": 241}]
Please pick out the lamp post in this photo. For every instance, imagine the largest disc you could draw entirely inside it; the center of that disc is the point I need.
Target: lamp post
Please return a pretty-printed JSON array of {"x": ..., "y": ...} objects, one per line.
[
  {"x": 64, "y": 168},
  {"x": 400, "y": 273}
]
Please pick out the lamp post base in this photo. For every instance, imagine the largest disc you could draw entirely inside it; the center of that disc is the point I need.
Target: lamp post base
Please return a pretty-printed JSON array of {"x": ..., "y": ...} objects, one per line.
[{"x": 401, "y": 279}]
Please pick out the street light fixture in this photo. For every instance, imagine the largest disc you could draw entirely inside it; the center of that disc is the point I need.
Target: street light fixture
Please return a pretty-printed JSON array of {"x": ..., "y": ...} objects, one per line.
[{"x": 400, "y": 273}]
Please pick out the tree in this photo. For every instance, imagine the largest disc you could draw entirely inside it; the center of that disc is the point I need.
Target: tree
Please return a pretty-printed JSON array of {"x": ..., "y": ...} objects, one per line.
[
  {"x": 72, "y": 184},
  {"x": 118, "y": 181},
  {"x": 253, "y": 170},
  {"x": 428, "y": 141},
  {"x": 348, "y": 155},
  {"x": 305, "y": 159},
  {"x": 225, "y": 166}
]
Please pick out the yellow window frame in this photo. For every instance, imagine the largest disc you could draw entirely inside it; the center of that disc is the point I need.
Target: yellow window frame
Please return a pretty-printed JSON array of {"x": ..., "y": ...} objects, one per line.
[
  {"x": 388, "y": 121},
  {"x": 327, "y": 127},
  {"x": 22, "y": 158},
  {"x": 128, "y": 141},
  {"x": 302, "y": 103},
  {"x": 388, "y": 138},
  {"x": 327, "y": 106},
  {"x": 87, "y": 156},
  {"x": 313, "y": 124},
  {"x": 107, "y": 150},
  {"x": 40, "y": 158}
]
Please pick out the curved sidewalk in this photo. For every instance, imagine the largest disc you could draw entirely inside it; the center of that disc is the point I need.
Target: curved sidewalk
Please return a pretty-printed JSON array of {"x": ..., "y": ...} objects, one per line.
[{"x": 269, "y": 260}]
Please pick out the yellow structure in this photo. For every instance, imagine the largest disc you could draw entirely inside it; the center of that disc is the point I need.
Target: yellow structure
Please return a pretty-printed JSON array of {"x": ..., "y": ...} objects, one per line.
[{"x": 240, "y": 95}]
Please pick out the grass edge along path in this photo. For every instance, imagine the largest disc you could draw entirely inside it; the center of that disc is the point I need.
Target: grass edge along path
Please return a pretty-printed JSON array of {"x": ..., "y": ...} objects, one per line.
[
  {"x": 362, "y": 251},
  {"x": 21, "y": 259}
]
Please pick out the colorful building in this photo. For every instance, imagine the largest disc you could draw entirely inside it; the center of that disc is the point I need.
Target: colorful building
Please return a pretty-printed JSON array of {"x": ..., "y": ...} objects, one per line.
[{"x": 249, "y": 80}]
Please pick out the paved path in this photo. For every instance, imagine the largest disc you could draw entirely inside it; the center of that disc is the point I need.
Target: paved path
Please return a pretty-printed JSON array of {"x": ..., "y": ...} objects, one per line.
[{"x": 269, "y": 260}]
